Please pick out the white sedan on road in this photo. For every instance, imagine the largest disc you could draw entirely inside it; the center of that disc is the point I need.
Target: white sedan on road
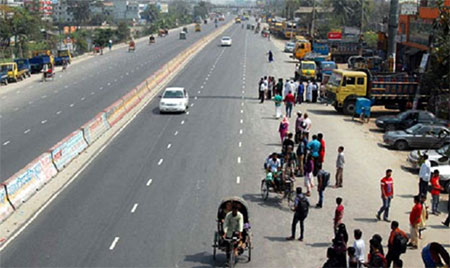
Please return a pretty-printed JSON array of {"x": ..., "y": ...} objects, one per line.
[
  {"x": 225, "y": 41},
  {"x": 174, "y": 99}
]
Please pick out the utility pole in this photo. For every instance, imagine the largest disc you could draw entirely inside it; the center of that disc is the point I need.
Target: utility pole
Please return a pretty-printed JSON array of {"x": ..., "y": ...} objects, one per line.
[
  {"x": 361, "y": 29},
  {"x": 313, "y": 21},
  {"x": 392, "y": 32}
]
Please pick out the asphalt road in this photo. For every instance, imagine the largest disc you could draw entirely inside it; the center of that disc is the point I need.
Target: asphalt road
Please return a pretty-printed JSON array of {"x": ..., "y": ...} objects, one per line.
[{"x": 37, "y": 115}]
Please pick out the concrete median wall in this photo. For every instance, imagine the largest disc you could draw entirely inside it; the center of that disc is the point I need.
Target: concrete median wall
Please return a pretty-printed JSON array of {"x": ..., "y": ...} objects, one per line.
[{"x": 23, "y": 185}]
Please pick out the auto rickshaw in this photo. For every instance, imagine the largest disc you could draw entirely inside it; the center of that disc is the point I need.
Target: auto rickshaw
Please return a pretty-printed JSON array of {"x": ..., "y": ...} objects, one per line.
[
  {"x": 131, "y": 46},
  {"x": 197, "y": 27},
  {"x": 182, "y": 35},
  {"x": 151, "y": 39},
  {"x": 185, "y": 29},
  {"x": 162, "y": 33}
]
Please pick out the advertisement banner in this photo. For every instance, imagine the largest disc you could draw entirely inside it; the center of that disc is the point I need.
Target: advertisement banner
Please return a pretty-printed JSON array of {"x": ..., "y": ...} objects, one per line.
[
  {"x": 334, "y": 35},
  {"x": 67, "y": 149},
  {"x": 130, "y": 100},
  {"x": 115, "y": 112},
  {"x": 93, "y": 129}
]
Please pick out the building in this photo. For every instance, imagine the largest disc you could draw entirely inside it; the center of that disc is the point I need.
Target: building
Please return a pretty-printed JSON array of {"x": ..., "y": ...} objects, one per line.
[
  {"x": 12, "y": 3},
  {"x": 126, "y": 10},
  {"x": 303, "y": 16},
  {"x": 415, "y": 30},
  {"x": 43, "y": 7}
]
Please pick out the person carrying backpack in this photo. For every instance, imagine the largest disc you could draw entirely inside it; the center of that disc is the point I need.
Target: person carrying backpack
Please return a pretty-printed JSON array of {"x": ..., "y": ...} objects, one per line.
[
  {"x": 301, "y": 208},
  {"x": 397, "y": 244}
]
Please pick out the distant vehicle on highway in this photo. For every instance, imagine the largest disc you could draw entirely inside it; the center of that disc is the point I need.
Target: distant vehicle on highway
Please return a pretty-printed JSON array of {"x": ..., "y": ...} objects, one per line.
[
  {"x": 289, "y": 47},
  {"x": 174, "y": 99},
  {"x": 408, "y": 119},
  {"x": 226, "y": 41},
  {"x": 420, "y": 136},
  {"x": 437, "y": 157}
]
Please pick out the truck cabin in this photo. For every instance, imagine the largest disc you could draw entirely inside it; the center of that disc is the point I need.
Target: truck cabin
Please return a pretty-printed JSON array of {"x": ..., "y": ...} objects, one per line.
[
  {"x": 6, "y": 67},
  {"x": 302, "y": 47},
  {"x": 348, "y": 81}
]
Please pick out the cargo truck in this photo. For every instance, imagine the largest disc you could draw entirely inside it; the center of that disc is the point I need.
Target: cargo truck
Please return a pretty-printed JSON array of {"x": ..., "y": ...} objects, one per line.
[
  {"x": 394, "y": 91},
  {"x": 14, "y": 74},
  {"x": 24, "y": 66},
  {"x": 63, "y": 54}
]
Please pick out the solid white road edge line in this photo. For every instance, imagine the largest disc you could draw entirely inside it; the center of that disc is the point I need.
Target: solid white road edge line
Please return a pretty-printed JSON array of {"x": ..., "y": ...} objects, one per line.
[{"x": 113, "y": 244}]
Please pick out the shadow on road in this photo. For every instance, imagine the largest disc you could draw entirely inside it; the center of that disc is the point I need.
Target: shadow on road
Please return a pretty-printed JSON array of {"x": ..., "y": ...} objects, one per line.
[
  {"x": 270, "y": 118},
  {"x": 274, "y": 201},
  {"x": 276, "y": 238},
  {"x": 273, "y": 144},
  {"x": 319, "y": 245},
  {"x": 203, "y": 259},
  {"x": 409, "y": 196},
  {"x": 366, "y": 219},
  {"x": 376, "y": 130},
  {"x": 409, "y": 169},
  {"x": 324, "y": 112}
]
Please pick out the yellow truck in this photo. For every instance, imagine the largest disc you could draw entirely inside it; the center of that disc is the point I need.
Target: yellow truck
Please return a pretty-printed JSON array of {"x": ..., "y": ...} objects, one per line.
[
  {"x": 305, "y": 71},
  {"x": 237, "y": 20},
  {"x": 289, "y": 29},
  {"x": 14, "y": 74},
  {"x": 302, "y": 47}
]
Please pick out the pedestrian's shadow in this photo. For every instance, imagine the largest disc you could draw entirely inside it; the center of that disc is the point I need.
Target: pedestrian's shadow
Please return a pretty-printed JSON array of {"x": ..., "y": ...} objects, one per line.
[
  {"x": 273, "y": 144},
  {"x": 324, "y": 112},
  {"x": 276, "y": 238},
  {"x": 318, "y": 245},
  {"x": 202, "y": 259},
  {"x": 274, "y": 200},
  {"x": 409, "y": 169},
  {"x": 270, "y": 118},
  {"x": 366, "y": 219},
  {"x": 438, "y": 226},
  {"x": 408, "y": 196}
]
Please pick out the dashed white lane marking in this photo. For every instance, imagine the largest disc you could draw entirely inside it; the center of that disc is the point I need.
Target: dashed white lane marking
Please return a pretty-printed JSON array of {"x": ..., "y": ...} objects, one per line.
[
  {"x": 113, "y": 244},
  {"x": 58, "y": 112},
  {"x": 201, "y": 87},
  {"x": 66, "y": 86},
  {"x": 83, "y": 98},
  {"x": 243, "y": 91},
  {"x": 133, "y": 209},
  {"x": 115, "y": 80},
  {"x": 242, "y": 121},
  {"x": 195, "y": 97},
  {"x": 240, "y": 131},
  {"x": 160, "y": 162},
  {"x": 101, "y": 88},
  {"x": 182, "y": 122},
  {"x": 109, "y": 84},
  {"x": 3, "y": 97},
  {"x": 149, "y": 182},
  {"x": 71, "y": 105},
  {"x": 169, "y": 145},
  {"x": 192, "y": 105},
  {"x": 43, "y": 96},
  {"x": 238, "y": 179},
  {"x": 242, "y": 111},
  {"x": 27, "y": 131},
  {"x": 242, "y": 104},
  {"x": 187, "y": 113},
  {"x": 176, "y": 133},
  {"x": 239, "y": 159},
  {"x": 240, "y": 144},
  {"x": 6, "y": 143},
  {"x": 43, "y": 121},
  {"x": 243, "y": 86}
]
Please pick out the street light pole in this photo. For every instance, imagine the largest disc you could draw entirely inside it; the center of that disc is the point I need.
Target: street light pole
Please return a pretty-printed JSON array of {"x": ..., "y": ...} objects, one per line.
[{"x": 392, "y": 31}]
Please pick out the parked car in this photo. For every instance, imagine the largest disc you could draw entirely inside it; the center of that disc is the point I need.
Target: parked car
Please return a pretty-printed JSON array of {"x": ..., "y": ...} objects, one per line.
[
  {"x": 436, "y": 157},
  {"x": 174, "y": 99},
  {"x": 419, "y": 136},
  {"x": 289, "y": 47},
  {"x": 226, "y": 41},
  {"x": 408, "y": 119}
]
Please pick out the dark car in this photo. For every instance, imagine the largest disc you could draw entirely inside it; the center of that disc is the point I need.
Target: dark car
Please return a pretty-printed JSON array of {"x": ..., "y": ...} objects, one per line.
[
  {"x": 408, "y": 119},
  {"x": 419, "y": 136}
]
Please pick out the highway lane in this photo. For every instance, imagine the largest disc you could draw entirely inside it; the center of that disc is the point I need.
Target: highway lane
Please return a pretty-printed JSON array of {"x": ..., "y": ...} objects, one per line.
[
  {"x": 188, "y": 157},
  {"x": 36, "y": 116}
]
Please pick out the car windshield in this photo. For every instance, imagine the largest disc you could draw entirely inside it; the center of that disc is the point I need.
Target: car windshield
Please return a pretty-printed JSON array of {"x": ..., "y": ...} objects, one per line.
[
  {"x": 444, "y": 150},
  {"x": 328, "y": 66},
  {"x": 226, "y": 38},
  {"x": 414, "y": 129},
  {"x": 290, "y": 44},
  {"x": 308, "y": 66},
  {"x": 4, "y": 68},
  {"x": 335, "y": 79},
  {"x": 172, "y": 94}
]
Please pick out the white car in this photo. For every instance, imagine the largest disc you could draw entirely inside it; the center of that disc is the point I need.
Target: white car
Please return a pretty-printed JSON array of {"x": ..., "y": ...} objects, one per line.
[
  {"x": 436, "y": 157},
  {"x": 225, "y": 41},
  {"x": 174, "y": 99}
]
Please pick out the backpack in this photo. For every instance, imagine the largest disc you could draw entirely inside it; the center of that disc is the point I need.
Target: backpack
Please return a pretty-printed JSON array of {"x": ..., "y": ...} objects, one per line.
[
  {"x": 400, "y": 243},
  {"x": 303, "y": 207}
]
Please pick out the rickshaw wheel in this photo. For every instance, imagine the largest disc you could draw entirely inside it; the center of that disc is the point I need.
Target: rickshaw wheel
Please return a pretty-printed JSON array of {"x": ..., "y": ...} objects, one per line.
[
  {"x": 249, "y": 250},
  {"x": 291, "y": 200},
  {"x": 264, "y": 190},
  {"x": 215, "y": 245},
  {"x": 232, "y": 257}
]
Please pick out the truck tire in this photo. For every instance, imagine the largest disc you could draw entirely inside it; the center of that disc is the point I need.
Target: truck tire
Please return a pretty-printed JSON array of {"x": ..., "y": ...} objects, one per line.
[
  {"x": 349, "y": 107},
  {"x": 337, "y": 108},
  {"x": 401, "y": 145}
]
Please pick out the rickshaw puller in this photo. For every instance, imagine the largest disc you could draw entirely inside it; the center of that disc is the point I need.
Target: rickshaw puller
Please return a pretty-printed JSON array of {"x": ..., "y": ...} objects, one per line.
[{"x": 233, "y": 227}]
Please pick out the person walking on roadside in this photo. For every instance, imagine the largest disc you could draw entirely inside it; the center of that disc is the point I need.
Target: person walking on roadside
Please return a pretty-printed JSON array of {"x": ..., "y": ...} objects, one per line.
[
  {"x": 338, "y": 214},
  {"x": 279, "y": 87},
  {"x": 309, "y": 91},
  {"x": 321, "y": 151},
  {"x": 283, "y": 128},
  {"x": 307, "y": 125},
  {"x": 323, "y": 178},
  {"x": 301, "y": 208},
  {"x": 396, "y": 244},
  {"x": 314, "y": 147},
  {"x": 289, "y": 102},
  {"x": 298, "y": 127},
  {"x": 300, "y": 93},
  {"x": 340, "y": 161},
  {"x": 414, "y": 221},
  {"x": 301, "y": 153},
  {"x": 315, "y": 92},
  {"x": 270, "y": 54},
  {"x": 424, "y": 175},
  {"x": 387, "y": 194},
  {"x": 360, "y": 247},
  {"x": 260, "y": 89},
  {"x": 308, "y": 169},
  {"x": 263, "y": 89},
  {"x": 436, "y": 189},
  {"x": 278, "y": 100}
]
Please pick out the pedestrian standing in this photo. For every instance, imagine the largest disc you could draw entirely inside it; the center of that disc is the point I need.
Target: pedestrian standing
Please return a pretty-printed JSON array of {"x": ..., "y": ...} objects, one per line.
[
  {"x": 315, "y": 92},
  {"x": 307, "y": 125},
  {"x": 301, "y": 208},
  {"x": 309, "y": 91},
  {"x": 340, "y": 245},
  {"x": 308, "y": 169},
  {"x": 286, "y": 143},
  {"x": 314, "y": 147},
  {"x": 323, "y": 177},
  {"x": 321, "y": 151},
  {"x": 300, "y": 93},
  {"x": 340, "y": 161},
  {"x": 287, "y": 88},
  {"x": 278, "y": 100},
  {"x": 423, "y": 215},
  {"x": 376, "y": 258},
  {"x": 110, "y": 42},
  {"x": 387, "y": 194},
  {"x": 289, "y": 102},
  {"x": 360, "y": 247},
  {"x": 436, "y": 189},
  {"x": 270, "y": 88},
  {"x": 279, "y": 86},
  {"x": 414, "y": 221},
  {"x": 263, "y": 89},
  {"x": 424, "y": 175},
  {"x": 260, "y": 89},
  {"x": 396, "y": 244},
  {"x": 331, "y": 259},
  {"x": 270, "y": 56},
  {"x": 298, "y": 127},
  {"x": 301, "y": 152},
  {"x": 283, "y": 128},
  {"x": 338, "y": 214}
]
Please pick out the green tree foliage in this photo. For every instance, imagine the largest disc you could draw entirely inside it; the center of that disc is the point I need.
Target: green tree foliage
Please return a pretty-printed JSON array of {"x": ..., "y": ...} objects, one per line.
[
  {"x": 80, "y": 9},
  {"x": 202, "y": 9},
  {"x": 123, "y": 31}
]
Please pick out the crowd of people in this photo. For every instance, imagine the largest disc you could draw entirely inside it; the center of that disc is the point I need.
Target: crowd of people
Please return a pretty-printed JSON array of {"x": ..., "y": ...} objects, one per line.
[{"x": 306, "y": 160}]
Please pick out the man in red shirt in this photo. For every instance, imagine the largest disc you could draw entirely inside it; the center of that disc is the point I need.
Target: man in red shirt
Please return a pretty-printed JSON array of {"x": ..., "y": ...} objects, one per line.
[
  {"x": 289, "y": 101},
  {"x": 387, "y": 194},
  {"x": 322, "y": 149},
  {"x": 436, "y": 189},
  {"x": 414, "y": 221},
  {"x": 338, "y": 213}
]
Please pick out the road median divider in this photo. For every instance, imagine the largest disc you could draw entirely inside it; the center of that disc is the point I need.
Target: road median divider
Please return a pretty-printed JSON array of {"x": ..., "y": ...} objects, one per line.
[{"x": 22, "y": 185}]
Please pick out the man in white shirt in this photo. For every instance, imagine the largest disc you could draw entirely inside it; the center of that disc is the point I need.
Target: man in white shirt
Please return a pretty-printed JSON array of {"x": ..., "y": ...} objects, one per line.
[
  {"x": 233, "y": 225},
  {"x": 287, "y": 88},
  {"x": 360, "y": 247},
  {"x": 424, "y": 175}
]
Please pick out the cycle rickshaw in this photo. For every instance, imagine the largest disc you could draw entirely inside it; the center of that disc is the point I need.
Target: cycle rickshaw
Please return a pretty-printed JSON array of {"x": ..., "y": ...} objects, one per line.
[{"x": 224, "y": 244}]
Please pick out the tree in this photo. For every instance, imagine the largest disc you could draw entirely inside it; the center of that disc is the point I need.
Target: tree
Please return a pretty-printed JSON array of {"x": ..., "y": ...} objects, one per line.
[
  {"x": 151, "y": 13},
  {"x": 123, "y": 31},
  {"x": 80, "y": 10},
  {"x": 201, "y": 9}
]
